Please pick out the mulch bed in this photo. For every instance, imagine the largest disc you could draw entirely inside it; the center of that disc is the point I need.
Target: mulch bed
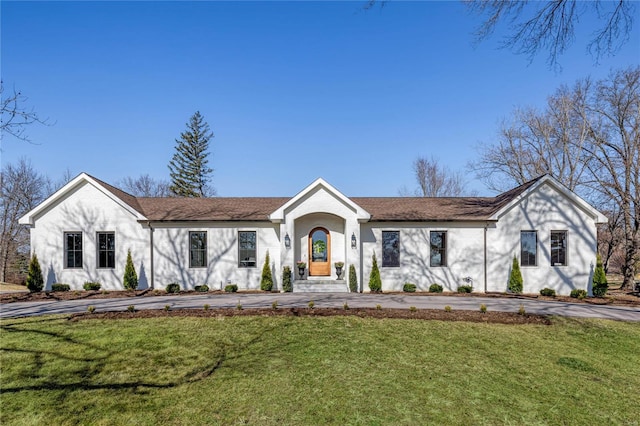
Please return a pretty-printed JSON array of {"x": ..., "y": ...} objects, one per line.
[{"x": 421, "y": 314}]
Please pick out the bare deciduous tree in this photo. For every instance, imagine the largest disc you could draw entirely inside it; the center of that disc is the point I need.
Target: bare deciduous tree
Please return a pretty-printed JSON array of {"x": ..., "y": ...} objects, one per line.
[
  {"x": 550, "y": 25},
  {"x": 145, "y": 186},
  {"x": 14, "y": 117},
  {"x": 21, "y": 189},
  {"x": 435, "y": 180}
]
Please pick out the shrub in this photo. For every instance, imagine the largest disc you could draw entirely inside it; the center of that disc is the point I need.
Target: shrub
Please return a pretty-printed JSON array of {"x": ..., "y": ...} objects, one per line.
[
  {"x": 600, "y": 284},
  {"x": 206, "y": 307},
  {"x": 345, "y": 306},
  {"x": 89, "y": 286},
  {"x": 413, "y": 308},
  {"x": 130, "y": 278},
  {"x": 515, "y": 279},
  {"x": 465, "y": 289},
  {"x": 311, "y": 304},
  {"x": 239, "y": 306},
  {"x": 578, "y": 293},
  {"x": 274, "y": 305},
  {"x": 60, "y": 287},
  {"x": 447, "y": 308},
  {"x": 202, "y": 288},
  {"x": 521, "y": 310},
  {"x": 353, "y": 279},
  {"x": 173, "y": 288},
  {"x": 548, "y": 292},
  {"x": 435, "y": 288},
  {"x": 266, "y": 281},
  {"x": 167, "y": 307},
  {"x": 483, "y": 308},
  {"x": 35, "y": 282},
  {"x": 409, "y": 288},
  {"x": 91, "y": 309},
  {"x": 375, "y": 283},
  {"x": 287, "y": 285},
  {"x": 379, "y": 307},
  {"x": 131, "y": 308},
  {"x": 231, "y": 288}
]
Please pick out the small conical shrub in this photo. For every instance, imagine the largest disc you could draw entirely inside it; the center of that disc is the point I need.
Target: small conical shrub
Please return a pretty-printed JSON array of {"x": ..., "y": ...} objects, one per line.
[
  {"x": 286, "y": 280},
  {"x": 353, "y": 279},
  {"x": 600, "y": 284},
  {"x": 375, "y": 283},
  {"x": 35, "y": 282},
  {"x": 130, "y": 277},
  {"x": 266, "y": 282},
  {"x": 515, "y": 280}
]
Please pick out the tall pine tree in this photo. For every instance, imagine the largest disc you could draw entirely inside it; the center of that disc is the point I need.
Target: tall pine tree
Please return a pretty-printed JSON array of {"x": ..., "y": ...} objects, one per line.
[{"x": 190, "y": 174}]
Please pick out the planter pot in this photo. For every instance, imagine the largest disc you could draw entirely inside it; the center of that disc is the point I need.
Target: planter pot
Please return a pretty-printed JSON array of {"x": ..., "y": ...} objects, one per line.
[
  {"x": 339, "y": 272},
  {"x": 301, "y": 272}
]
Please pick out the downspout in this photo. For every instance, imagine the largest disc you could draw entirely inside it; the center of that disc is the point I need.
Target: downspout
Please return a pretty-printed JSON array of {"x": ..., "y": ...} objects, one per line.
[
  {"x": 151, "y": 255},
  {"x": 486, "y": 225}
]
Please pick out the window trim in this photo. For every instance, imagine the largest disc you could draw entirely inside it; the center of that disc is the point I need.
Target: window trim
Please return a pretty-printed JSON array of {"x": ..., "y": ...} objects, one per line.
[
  {"x": 65, "y": 260},
  {"x": 535, "y": 263},
  {"x": 566, "y": 248},
  {"x": 255, "y": 262},
  {"x": 444, "y": 257},
  {"x": 107, "y": 250},
  {"x": 382, "y": 241},
  {"x": 204, "y": 250}
]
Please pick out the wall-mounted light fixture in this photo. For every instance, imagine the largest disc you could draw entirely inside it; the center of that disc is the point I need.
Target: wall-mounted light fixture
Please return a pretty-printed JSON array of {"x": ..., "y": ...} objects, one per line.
[
  {"x": 287, "y": 241},
  {"x": 354, "y": 242}
]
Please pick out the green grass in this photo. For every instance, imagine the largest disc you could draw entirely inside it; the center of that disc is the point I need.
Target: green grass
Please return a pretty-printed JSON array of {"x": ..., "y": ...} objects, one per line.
[{"x": 305, "y": 370}]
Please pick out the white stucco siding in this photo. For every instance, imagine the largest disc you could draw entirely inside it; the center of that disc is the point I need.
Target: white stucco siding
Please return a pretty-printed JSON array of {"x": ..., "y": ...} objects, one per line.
[
  {"x": 89, "y": 211},
  {"x": 544, "y": 210},
  {"x": 171, "y": 255},
  {"x": 464, "y": 255}
]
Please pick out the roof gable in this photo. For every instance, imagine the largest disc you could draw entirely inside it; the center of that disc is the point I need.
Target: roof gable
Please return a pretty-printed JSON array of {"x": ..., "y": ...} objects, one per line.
[{"x": 126, "y": 201}]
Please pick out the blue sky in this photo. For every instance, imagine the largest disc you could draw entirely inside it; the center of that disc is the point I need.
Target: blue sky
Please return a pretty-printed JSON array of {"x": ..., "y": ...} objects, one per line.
[{"x": 292, "y": 90}]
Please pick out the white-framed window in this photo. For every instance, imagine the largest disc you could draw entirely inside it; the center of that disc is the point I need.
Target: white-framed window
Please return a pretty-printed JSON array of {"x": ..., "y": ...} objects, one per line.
[
  {"x": 390, "y": 248},
  {"x": 528, "y": 248},
  {"x": 438, "y": 243},
  {"x": 246, "y": 249}
]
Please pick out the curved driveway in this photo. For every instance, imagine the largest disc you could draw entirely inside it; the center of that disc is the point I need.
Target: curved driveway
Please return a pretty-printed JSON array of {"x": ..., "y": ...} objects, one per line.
[{"x": 322, "y": 300}]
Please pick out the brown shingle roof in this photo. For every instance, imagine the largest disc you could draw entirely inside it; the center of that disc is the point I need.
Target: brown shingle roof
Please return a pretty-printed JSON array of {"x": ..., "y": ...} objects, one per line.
[{"x": 259, "y": 208}]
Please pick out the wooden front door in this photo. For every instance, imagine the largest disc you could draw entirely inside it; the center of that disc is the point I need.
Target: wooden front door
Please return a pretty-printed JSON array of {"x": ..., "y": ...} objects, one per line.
[{"x": 319, "y": 252}]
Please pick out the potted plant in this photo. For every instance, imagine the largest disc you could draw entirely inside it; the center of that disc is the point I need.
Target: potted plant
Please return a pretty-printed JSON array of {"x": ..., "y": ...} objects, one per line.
[
  {"x": 301, "y": 267},
  {"x": 339, "y": 266}
]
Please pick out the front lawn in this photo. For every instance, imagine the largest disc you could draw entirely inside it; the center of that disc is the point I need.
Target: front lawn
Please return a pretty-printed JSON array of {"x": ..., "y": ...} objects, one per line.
[{"x": 324, "y": 370}]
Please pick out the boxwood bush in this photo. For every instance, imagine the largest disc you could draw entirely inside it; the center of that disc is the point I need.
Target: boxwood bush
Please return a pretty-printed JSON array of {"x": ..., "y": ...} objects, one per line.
[
  {"x": 578, "y": 293},
  {"x": 60, "y": 287},
  {"x": 409, "y": 288},
  {"x": 548, "y": 292},
  {"x": 435, "y": 288},
  {"x": 173, "y": 288},
  {"x": 202, "y": 288},
  {"x": 231, "y": 288},
  {"x": 91, "y": 286},
  {"x": 465, "y": 289}
]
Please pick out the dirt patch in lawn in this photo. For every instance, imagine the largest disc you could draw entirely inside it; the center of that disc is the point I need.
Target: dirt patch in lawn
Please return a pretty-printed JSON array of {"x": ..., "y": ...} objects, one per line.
[{"x": 422, "y": 314}]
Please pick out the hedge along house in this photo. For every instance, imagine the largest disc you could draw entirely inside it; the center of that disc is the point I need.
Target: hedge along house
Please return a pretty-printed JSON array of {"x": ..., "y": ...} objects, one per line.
[{"x": 83, "y": 231}]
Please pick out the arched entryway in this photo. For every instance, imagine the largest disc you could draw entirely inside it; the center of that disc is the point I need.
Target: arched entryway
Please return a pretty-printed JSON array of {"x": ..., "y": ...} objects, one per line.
[{"x": 319, "y": 252}]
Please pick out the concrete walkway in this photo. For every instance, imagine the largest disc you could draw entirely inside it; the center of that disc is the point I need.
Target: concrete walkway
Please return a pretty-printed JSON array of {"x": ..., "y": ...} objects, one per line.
[{"x": 322, "y": 300}]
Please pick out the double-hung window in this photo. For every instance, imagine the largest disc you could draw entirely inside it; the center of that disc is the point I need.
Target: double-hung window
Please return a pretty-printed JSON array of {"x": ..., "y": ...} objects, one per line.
[
  {"x": 247, "y": 249},
  {"x": 73, "y": 249},
  {"x": 391, "y": 248},
  {"x": 438, "y": 242},
  {"x": 106, "y": 250},
  {"x": 528, "y": 248},
  {"x": 198, "y": 249},
  {"x": 558, "y": 248}
]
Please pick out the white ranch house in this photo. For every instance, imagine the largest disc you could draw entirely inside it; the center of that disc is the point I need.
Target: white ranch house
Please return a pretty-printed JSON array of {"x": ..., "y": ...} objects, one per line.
[{"x": 83, "y": 231}]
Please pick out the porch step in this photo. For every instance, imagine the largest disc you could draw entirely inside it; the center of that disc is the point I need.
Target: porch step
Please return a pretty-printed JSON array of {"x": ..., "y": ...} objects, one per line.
[{"x": 320, "y": 286}]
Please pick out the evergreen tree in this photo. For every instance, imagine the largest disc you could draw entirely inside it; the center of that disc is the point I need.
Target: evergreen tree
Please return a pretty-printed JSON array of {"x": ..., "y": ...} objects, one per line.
[
  {"x": 375, "y": 283},
  {"x": 130, "y": 276},
  {"x": 190, "y": 174},
  {"x": 266, "y": 282},
  {"x": 353, "y": 279},
  {"x": 286, "y": 280},
  {"x": 35, "y": 282},
  {"x": 515, "y": 279},
  {"x": 600, "y": 284}
]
